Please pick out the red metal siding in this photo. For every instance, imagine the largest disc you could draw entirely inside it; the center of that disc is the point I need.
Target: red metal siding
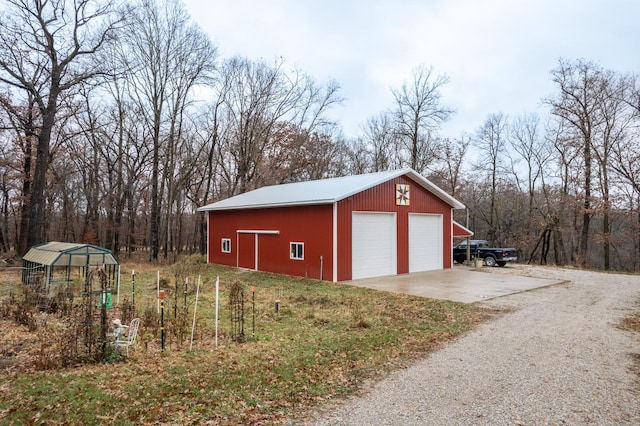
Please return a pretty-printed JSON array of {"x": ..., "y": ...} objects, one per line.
[
  {"x": 382, "y": 198},
  {"x": 311, "y": 225}
]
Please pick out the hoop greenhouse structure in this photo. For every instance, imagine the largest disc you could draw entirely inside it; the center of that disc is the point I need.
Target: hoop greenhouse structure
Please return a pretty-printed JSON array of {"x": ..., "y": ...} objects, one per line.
[{"x": 52, "y": 264}]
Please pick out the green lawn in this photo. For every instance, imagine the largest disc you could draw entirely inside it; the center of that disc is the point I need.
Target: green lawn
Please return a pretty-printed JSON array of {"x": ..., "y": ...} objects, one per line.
[{"x": 326, "y": 340}]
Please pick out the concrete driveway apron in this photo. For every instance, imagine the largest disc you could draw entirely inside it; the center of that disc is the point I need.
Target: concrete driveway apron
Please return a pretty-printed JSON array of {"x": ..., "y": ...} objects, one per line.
[{"x": 460, "y": 284}]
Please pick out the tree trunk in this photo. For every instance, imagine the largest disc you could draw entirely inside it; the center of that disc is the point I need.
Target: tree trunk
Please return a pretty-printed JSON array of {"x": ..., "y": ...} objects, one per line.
[
  {"x": 155, "y": 207},
  {"x": 4, "y": 233},
  {"x": 606, "y": 223},
  {"x": 586, "y": 213},
  {"x": 637, "y": 257},
  {"x": 558, "y": 243},
  {"x": 35, "y": 234},
  {"x": 23, "y": 240}
]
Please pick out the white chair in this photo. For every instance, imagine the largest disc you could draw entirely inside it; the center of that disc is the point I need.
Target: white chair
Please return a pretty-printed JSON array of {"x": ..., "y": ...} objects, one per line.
[{"x": 132, "y": 334}]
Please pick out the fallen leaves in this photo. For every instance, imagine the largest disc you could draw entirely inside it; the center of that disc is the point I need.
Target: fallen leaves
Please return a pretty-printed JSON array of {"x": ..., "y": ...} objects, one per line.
[{"x": 328, "y": 340}]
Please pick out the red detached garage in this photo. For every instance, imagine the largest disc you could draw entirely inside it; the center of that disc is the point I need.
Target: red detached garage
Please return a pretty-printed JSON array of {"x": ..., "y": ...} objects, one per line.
[{"x": 336, "y": 229}]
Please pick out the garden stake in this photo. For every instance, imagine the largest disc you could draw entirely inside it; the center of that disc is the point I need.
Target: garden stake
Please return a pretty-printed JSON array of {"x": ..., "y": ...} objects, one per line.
[
  {"x": 103, "y": 318},
  {"x": 117, "y": 285},
  {"x": 253, "y": 302},
  {"x": 186, "y": 310},
  {"x": 195, "y": 308},
  {"x": 217, "y": 289},
  {"x": 133, "y": 289},
  {"x": 161, "y": 296},
  {"x": 175, "y": 301}
]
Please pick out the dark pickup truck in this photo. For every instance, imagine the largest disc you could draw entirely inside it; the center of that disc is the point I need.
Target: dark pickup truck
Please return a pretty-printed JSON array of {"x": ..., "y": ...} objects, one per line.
[{"x": 480, "y": 249}]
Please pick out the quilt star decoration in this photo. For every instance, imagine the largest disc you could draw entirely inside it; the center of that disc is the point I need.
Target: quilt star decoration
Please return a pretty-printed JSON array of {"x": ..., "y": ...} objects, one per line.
[{"x": 402, "y": 194}]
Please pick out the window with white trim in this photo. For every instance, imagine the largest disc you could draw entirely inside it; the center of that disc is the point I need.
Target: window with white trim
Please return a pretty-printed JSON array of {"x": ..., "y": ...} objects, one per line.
[
  {"x": 297, "y": 251},
  {"x": 226, "y": 245}
]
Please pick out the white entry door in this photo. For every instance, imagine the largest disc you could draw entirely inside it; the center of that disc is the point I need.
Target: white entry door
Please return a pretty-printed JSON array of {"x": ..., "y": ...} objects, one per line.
[
  {"x": 425, "y": 242},
  {"x": 373, "y": 244}
]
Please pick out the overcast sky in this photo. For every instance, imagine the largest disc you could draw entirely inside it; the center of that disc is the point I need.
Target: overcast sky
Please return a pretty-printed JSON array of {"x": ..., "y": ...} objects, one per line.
[{"x": 497, "y": 53}]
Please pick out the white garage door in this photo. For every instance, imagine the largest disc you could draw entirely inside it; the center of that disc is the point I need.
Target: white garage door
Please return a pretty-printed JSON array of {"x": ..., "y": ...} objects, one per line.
[
  {"x": 425, "y": 242},
  {"x": 373, "y": 244}
]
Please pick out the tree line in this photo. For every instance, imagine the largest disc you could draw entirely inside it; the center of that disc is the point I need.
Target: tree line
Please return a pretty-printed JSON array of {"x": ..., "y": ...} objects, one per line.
[{"x": 119, "y": 120}]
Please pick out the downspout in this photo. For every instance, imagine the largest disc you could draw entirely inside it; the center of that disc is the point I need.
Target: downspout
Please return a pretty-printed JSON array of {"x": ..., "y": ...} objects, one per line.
[
  {"x": 208, "y": 247},
  {"x": 468, "y": 240},
  {"x": 335, "y": 242},
  {"x": 451, "y": 241}
]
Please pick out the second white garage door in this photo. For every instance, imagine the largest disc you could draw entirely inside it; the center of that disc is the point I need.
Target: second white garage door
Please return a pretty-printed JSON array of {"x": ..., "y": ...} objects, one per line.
[
  {"x": 373, "y": 245},
  {"x": 425, "y": 242}
]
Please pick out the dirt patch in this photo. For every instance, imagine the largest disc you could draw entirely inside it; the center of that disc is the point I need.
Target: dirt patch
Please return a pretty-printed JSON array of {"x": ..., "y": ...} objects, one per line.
[{"x": 632, "y": 323}]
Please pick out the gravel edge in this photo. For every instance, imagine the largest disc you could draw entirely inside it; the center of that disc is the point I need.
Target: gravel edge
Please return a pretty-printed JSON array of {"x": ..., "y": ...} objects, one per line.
[{"x": 557, "y": 357}]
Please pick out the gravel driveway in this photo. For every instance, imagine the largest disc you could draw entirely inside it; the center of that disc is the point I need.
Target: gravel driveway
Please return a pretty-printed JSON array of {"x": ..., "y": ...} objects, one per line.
[{"x": 557, "y": 358}]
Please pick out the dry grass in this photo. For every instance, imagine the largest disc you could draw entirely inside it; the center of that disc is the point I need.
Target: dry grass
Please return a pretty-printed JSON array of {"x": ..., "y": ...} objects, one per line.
[{"x": 326, "y": 340}]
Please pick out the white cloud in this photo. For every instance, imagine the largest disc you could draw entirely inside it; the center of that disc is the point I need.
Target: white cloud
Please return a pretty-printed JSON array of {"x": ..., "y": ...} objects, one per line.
[{"x": 497, "y": 53}]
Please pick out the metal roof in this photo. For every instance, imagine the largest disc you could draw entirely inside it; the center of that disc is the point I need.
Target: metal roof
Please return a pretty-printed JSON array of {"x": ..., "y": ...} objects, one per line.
[
  {"x": 69, "y": 254},
  {"x": 324, "y": 191}
]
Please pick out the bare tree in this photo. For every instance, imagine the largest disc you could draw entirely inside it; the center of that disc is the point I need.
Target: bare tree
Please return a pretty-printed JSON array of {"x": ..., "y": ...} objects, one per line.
[
  {"x": 202, "y": 188},
  {"x": 357, "y": 156},
  {"x": 381, "y": 142},
  {"x": 6, "y": 185},
  {"x": 528, "y": 146},
  {"x": 168, "y": 56},
  {"x": 22, "y": 122},
  {"x": 626, "y": 161},
  {"x": 87, "y": 151},
  {"x": 451, "y": 160},
  {"x": 127, "y": 152},
  {"x": 310, "y": 142},
  {"x": 418, "y": 115},
  {"x": 616, "y": 122},
  {"x": 258, "y": 97},
  {"x": 46, "y": 49},
  {"x": 567, "y": 169},
  {"x": 491, "y": 141},
  {"x": 579, "y": 87},
  {"x": 271, "y": 115}
]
